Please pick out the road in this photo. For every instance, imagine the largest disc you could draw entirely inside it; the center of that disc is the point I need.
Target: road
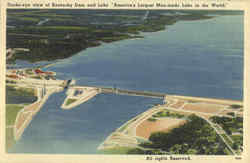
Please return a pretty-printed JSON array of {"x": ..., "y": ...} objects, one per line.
[{"x": 220, "y": 134}]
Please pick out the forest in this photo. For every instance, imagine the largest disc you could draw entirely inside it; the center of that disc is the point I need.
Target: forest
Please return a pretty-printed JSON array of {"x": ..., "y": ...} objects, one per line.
[
  {"x": 56, "y": 34},
  {"x": 194, "y": 137}
]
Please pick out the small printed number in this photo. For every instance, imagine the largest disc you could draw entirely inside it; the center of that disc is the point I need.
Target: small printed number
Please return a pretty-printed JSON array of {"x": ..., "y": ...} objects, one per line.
[
  {"x": 149, "y": 158},
  {"x": 237, "y": 158}
]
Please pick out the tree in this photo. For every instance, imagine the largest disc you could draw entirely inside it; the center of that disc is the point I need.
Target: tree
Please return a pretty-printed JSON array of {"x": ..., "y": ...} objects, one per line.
[
  {"x": 235, "y": 145},
  {"x": 176, "y": 149},
  {"x": 136, "y": 151},
  {"x": 192, "y": 151}
]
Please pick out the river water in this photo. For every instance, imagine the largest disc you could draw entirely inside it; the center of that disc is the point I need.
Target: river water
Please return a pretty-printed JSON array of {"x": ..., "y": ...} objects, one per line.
[{"x": 194, "y": 58}]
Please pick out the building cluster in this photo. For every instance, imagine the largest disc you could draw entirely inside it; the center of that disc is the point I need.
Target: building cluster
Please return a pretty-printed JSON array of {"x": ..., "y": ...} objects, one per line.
[
  {"x": 30, "y": 73},
  {"x": 11, "y": 51}
]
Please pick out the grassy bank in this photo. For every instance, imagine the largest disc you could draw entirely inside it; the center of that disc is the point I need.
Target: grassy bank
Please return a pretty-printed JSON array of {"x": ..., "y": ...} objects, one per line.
[
  {"x": 70, "y": 101},
  {"x": 20, "y": 95},
  {"x": 16, "y": 100},
  {"x": 10, "y": 118},
  {"x": 10, "y": 141},
  {"x": 11, "y": 113},
  {"x": 116, "y": 150}
]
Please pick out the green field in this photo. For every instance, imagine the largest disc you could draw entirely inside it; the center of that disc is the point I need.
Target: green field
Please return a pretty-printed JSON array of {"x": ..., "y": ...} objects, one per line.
[
  {"x": 116, "y": 150},
  {"x": 29, "y": 19},
  {"x": 168, "y": 114},
  {"x": 10, "y": 118},
  {"x": 20, "y": 95},
  {"x": 16, "y": 100},
  {"x": 152, "y": 119},
  {"x": 9, "y": 138},
  {"x": 70, "y": 101},
  {"x": 11, "y": 113}
]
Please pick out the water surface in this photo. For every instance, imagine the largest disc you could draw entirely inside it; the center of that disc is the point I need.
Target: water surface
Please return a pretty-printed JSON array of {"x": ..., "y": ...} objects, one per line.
[
  {"x": 82, "y": 129},
  {"x": 194, "y": 58}
]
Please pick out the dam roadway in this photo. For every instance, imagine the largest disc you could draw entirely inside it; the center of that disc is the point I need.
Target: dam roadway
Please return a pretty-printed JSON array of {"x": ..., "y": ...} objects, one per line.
[
  {"x": 87, "y": 92},
  {"x": 77, "y": 95},
  {"x": 132, "y": 92}
]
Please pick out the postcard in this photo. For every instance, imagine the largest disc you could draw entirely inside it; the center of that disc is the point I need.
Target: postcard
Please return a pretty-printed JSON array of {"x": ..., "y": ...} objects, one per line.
[{"x": 119, "y": 81}]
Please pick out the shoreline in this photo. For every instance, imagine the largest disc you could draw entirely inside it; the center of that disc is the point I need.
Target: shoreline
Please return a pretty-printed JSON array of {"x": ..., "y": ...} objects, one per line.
[
  {"x": 128, "y": 130},
  {"x": 208, "y": 99},
  {"x": 149, "y": 26},
  {"x": 18, "y": 130},
  {"x": 34, "y": 79}
]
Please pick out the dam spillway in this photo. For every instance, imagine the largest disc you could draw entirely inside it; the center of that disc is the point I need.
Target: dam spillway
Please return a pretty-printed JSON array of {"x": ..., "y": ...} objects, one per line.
[
  {"x": 77, "y": 95},
  {"x": 133, "y": 92}
]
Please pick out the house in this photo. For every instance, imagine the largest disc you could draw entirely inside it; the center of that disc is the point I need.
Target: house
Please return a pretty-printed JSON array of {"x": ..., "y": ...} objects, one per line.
[
  {"x": 38, "y": 71},
  {"x": 13, "y": 76}
]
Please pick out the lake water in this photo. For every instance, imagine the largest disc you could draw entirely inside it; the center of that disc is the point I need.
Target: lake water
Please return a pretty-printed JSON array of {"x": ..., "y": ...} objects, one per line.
[
  {"x": 81, "y": 129},
  {"x": 194, "y": 58}
]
